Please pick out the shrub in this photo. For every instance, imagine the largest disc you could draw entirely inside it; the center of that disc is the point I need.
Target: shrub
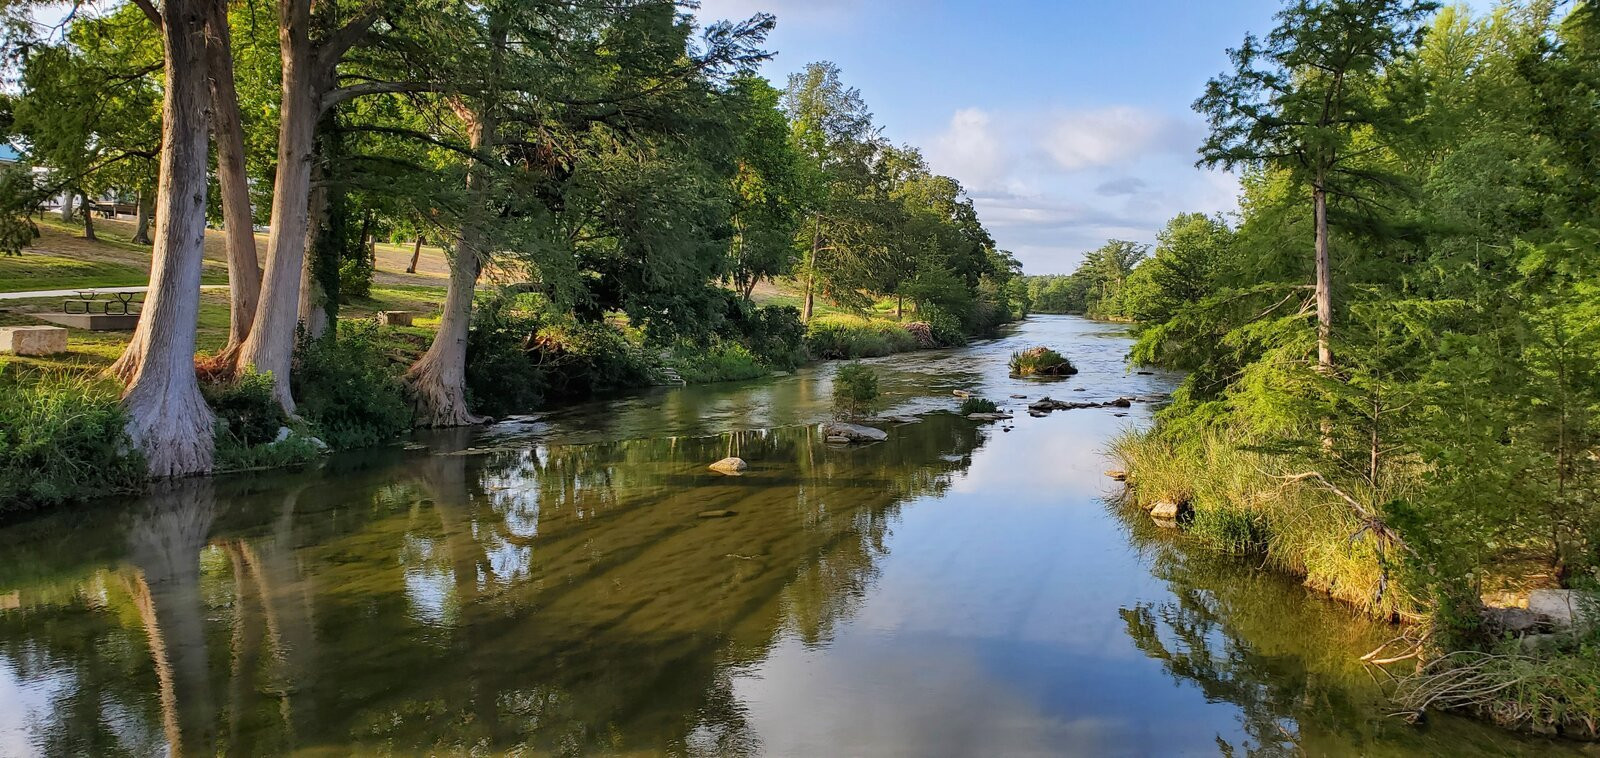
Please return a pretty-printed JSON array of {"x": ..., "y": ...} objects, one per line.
[
  {"x": 348, "y": 389},
  {"x": 946, "y": 327},
  {"x": 247, "y": 413},
  {"x": 719, "y": 362},
  {"x": 775, "y": 335},
  {"x": 1041, "y": 361},
  {"x": 501, "y": 375},
  {"x": 61, "y": 439},
  {"x": 978, "y": 405},
  {"x": 855, "y": 391}
]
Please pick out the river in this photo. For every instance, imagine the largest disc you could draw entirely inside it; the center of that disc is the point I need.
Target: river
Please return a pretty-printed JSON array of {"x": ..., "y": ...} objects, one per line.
[{"x": 545, "y": 586}]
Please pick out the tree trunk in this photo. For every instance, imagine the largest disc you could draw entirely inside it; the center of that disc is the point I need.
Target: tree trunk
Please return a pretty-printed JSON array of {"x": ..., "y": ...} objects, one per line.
[
  {"x": 66, "y": 206},
  {"x": 811, "y": 270},
  {"x": 750, "y": 286},
  {"x": 899, "y": 307},
  {"x": 269, "y": 347},
  {"x": 244, "y": 272},
  {"x": 88, "y": 217},
  {"x": 416, "y": 253},
  {"x": 438, "y": 379},
  {"x": 314, "y": 296},
  {"x": 168, "y": 420},
  {"x": 1319, "y": 197},
  {"x": 141, "y": 229}
]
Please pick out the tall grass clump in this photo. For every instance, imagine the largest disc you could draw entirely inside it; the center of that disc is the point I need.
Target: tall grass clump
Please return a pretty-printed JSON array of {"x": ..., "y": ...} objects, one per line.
[
  {"x": 1041, "y": 361},
  {"x": 1245, "y": 503},
  {"x": 852, "y": 337},
  {"x": 61, "y": 439},
  {"x": 718, "y": 362},
  {"x": 978, "y": 405}
]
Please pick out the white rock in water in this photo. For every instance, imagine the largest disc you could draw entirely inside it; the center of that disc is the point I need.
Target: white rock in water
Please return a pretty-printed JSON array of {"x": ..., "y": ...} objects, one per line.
[
  {"x": 732, "y": 466},
  {"x": 834, "y": 439},
  {"x": 854, "y": 432}
]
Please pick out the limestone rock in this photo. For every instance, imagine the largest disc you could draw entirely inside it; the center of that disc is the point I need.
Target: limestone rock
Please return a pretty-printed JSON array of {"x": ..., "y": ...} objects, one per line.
[
  {"x": 730, "y": 466},
  {"x": 988, "y": 416},
  {"x": 854, "y": 432},
  {"x": 961, "y": 393},
  {"x": 397, "y": 318},
  {"x": 1165, "y": 509},
  {"x": 33, "y": 340},
  {"x": 1118, "y": 474},
  {"x": 834, "y": 439},
  {"x": 1564, "y": 608},
  {"x": 719, "y": 513},
  {"x": 1166, "y": 523}
]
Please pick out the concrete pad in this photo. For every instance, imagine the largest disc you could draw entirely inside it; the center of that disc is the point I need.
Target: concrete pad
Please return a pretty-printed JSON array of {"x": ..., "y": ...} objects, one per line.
[
  {"x": 33, "y": 340},
  {"x": 94, "y": 322}
]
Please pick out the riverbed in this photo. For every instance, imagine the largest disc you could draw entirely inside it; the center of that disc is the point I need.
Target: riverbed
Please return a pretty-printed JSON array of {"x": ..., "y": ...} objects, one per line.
[{"x": 547, "y": 585}]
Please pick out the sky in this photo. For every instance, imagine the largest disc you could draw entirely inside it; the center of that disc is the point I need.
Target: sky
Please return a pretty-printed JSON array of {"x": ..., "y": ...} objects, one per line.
[{"x": 1067, "y": 121}]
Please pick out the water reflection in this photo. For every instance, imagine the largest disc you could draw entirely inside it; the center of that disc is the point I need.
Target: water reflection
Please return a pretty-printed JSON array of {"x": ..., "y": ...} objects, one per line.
[{"x": 565, "y": 598}]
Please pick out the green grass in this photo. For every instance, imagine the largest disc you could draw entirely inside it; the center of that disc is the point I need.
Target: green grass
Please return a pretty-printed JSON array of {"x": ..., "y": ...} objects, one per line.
[
  {"x": 850, "y": 337},
  {"x": 1241, "y": 506},
  {"x": 37, "y": 271}
]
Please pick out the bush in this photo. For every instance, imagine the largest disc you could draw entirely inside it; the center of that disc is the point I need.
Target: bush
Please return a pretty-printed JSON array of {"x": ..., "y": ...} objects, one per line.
[
  {"x": 978, "y": 405},
  {"x": 501, "y": 376},
  {"x": 247, "y": 413},
  {"x": 923, "y": 332},
  {"x": 1041, "y": 361},
  {"x": 946, "y": 327},
  {"x": 775, "y": 335},
  {"x": 348, "y": 389},
  {"x": 855, "y": 391},
  {"x": 61, "y": 439},
  {"x": 720, "y": 362}
]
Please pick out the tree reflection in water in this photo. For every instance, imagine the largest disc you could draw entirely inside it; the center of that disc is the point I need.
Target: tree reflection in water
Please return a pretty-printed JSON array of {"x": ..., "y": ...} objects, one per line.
[{"x": 582, "y": 605}]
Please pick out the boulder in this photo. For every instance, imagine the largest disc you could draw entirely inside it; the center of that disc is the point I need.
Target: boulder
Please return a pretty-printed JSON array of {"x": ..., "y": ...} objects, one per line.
[
  {"x": 730, "y": 466},
  {"x": 988, "y": 416},
  {"x": 1121, "y": 402},
  {"x": 834, "y": 439},
  {"x": 854, "y": 432},
  {"x": 1118, "y": 474},
  {"x": 33, "y": 340},
  {"x": 719, "y": 513},
  {"x": 1512, "y": 620},
  {"x": 1165, "y": 509},
  {"x": 1564, "y": 608},
  {"x": 1166, "y": 523},
  {"x": 961, "y": 393},
  {"x": 1019, "y": 397},
  {"x": 397, "y": 318}
]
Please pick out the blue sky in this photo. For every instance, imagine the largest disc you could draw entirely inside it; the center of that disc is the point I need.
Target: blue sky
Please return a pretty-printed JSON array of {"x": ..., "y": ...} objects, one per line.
[{"x": 1068, "y": 121}]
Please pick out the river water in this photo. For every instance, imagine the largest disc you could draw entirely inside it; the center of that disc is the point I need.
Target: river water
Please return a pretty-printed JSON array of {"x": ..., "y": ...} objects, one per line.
[{"x": 545, "y": 586}]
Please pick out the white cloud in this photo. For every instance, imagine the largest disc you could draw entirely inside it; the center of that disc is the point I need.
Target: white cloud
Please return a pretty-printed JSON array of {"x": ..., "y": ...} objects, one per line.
[
  {"x": 970, "y": 151},
  {"x": 1105, "y": 137}
]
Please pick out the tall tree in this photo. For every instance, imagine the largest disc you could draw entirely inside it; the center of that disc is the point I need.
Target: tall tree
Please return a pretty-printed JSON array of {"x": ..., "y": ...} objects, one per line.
[
  {"x": 1299, "y": 98},
  {"x": 168, "y": 420}
]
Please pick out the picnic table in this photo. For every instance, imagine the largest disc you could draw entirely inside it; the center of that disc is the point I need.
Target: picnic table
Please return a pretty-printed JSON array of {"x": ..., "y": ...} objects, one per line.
[{"x": 88, "y": 301}]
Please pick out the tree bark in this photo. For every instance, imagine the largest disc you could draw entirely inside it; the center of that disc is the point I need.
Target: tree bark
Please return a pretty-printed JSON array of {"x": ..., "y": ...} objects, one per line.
[
  {"x": 313, "y": 315},
  {"x": 66, "y": 205},
  {"x": 88, "y": 218},
  {"x": 438, "y": 380},
  {"x": 811, "y": 270},
  {"x": 899, "y": 307},
  {"x": 269, "y": 347},
  {"x": 1319, "y": 198},
  {"x": 244, "y": 272},
  {"x": 416, "y": 253},
  {"x": 168, "y": 420},
  {"x": 141, "y": 229}
]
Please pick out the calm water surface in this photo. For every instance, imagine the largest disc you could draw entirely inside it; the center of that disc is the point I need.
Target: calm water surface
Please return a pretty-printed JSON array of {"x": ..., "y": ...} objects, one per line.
[{"x": 546, "y": 587}]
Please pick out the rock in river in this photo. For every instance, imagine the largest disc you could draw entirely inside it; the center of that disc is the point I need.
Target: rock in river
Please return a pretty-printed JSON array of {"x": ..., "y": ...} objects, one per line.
[
  {"x": 854, "y": 432},
  {"x": 1165, "y": 510},
  {"x": 731, "y": 466}
]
